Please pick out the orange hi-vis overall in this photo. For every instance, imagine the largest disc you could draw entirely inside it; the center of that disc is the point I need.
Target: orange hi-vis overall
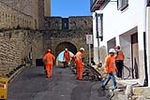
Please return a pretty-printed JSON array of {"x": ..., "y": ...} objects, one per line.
[
  {"x": 119, "y": 63},
  {"x": 67, "y": 56},
  {"x": 120, "y": 55},
  {"x": 79, "y": 65},
  {"x": 110, "y": 64},
  {"x": 48, "y": 61}
]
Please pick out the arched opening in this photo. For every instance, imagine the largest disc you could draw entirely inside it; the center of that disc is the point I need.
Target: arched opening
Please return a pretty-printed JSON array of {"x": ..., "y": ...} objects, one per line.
[
  {"x": 60, "y": 49},
  {"x": 60, "y": 56}
]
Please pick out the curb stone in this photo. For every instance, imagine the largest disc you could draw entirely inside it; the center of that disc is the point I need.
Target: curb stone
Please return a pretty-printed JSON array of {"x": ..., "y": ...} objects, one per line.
[{"x": 15, "y": 74}]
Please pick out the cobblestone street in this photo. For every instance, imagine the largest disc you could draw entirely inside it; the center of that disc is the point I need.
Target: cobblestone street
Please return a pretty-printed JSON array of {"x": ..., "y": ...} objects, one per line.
[{"x": 32, "y": 84}]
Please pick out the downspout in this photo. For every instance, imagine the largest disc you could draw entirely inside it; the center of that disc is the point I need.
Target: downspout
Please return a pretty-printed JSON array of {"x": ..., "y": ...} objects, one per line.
[
  {"x": 98, "y": 43},
  {"x": 145, "y": 60},
  {"x": 97, "y": 36},
  {"x": 99, "y": 32},
  {"x": 145, "y": 51}
]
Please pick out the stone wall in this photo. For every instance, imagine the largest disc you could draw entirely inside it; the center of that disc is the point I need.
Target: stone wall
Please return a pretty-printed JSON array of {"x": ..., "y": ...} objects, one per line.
[
  {"x": 23, "y": 6},
  {"x": 74, "y": 23},
  {"x": 41, "y": 14},
  {"x": 47, "y": 8},
  {"x": 80, "y": 22},
  {"x": 26, "y": 13},
  {"x": 53, "y": 23},
  {"x": 15, "y": 46},
  {"x": 10, "y": 18}
]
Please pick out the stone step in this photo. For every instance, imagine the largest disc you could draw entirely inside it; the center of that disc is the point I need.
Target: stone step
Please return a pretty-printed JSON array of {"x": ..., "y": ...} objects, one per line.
[{"x": 141, "y": 92}]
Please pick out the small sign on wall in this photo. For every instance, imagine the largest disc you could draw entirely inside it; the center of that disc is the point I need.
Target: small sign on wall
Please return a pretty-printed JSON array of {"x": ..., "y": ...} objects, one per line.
[
  {"x": 3, "y": 88},
  {"x": 89, "y": 39}
]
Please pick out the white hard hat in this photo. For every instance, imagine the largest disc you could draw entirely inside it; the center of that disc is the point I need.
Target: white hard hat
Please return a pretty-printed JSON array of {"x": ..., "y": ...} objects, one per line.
[
  {"x": 112, "y": 50},
  {"x": 82, "y": 49},
  {"x": 48, "y": 50},
  {"x": 66, "y": 49}
]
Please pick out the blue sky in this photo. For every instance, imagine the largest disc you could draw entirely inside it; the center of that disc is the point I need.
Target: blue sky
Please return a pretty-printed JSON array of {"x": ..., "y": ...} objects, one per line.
[
  {"x": 61, "y": 55},
  {"x": 66, "y": 8}
]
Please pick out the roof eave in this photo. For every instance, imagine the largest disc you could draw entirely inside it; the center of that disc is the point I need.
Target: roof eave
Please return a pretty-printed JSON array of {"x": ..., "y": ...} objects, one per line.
[{"x": 99, "y": 4}]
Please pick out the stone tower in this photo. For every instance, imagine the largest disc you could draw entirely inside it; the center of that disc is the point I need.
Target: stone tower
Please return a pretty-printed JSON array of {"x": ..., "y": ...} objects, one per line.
[
  {"x": 35, "y": 8},
  {"x": 47, "y": 9}
]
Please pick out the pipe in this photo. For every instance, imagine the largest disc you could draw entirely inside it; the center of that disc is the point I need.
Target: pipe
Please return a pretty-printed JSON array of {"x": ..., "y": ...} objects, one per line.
[{"x": 145, "y": 60}]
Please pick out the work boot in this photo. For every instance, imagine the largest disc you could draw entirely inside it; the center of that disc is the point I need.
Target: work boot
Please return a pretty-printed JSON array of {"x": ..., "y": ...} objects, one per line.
[{"x": 103, "y": 87}]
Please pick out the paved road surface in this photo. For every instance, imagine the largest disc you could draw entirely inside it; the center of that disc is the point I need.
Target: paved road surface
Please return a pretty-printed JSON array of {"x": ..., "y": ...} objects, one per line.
[{"x": 32, "y": 84}]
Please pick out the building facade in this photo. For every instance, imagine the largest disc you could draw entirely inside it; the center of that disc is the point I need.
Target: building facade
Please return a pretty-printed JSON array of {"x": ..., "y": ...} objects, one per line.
[{"x": 125, "y": 23}]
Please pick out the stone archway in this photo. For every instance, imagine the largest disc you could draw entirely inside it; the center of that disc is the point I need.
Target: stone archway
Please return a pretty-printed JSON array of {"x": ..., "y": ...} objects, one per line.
[{"x": 60, "y": 47}]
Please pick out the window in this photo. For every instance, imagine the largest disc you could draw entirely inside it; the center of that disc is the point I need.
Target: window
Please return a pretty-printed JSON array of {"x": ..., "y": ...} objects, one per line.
[
  {"x": 65, "y": 23},
  {"x": 85, "y": 23},
  {"x": 56, "y": 24},
  {"x": 122, "y": 4}
]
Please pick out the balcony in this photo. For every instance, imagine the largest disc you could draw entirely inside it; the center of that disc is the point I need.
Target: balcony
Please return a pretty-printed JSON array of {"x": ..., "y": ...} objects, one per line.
[{"x": 98, "y": 4}]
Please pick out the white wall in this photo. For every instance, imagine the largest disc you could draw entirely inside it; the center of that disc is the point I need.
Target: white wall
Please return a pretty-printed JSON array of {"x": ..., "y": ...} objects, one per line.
[
  {"x": 148, "y": 42},
  {"x": 117, "y": 22}
]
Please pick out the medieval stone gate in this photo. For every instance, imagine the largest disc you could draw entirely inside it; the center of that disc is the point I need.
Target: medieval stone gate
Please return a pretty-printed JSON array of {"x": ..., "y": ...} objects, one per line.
[
  {"x": 68, "y": 33},
  {"x": 59, "y": 43}
]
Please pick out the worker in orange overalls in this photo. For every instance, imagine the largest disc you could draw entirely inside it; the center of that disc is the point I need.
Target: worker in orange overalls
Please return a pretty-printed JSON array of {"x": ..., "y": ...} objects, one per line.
[
  {"x": 66, "y": 57},
  {"x": 48, "y": 60},
  {"x": 79, "y": 64},
  {"x": 119, "y": 61},
  {"x": 110, "y": 69},
  {"x": 73, "y": 60}
]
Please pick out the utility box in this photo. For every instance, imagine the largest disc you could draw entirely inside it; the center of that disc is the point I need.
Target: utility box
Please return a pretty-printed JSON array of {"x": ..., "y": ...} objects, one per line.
[{"x": 3, "y": 88}]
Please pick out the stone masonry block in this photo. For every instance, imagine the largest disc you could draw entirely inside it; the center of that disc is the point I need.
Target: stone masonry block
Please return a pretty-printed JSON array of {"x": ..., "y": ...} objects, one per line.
[{"x": 142, "y": 91}]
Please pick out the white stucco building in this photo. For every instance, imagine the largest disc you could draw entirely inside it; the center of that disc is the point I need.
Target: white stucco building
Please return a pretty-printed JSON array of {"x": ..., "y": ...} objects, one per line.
[{"x": 125, "y": 23}]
